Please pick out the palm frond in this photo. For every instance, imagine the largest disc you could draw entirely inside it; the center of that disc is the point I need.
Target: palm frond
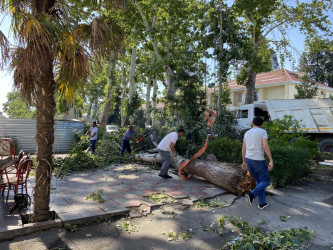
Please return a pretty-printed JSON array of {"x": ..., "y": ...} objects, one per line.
[
  {"x": 25, "y": 74},
  {"x": 72, "y": 64},
  {"x": 4, "y": 48},
  {"x": 103, "y": 36}
]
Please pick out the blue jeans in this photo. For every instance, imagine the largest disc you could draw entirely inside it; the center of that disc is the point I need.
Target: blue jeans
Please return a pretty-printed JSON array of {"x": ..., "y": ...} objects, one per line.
[
  {"x": 126, "y": 145},
  {"x": 259, "y": 172},
  {"x": 92, "y": 145}
]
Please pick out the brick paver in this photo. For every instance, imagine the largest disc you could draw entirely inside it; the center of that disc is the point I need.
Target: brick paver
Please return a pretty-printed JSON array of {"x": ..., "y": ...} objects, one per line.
[{"x": 124, "y": 187}]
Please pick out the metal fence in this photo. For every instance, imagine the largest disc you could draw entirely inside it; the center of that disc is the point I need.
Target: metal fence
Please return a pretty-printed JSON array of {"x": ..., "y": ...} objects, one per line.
[{"x": 25, "y": 130}]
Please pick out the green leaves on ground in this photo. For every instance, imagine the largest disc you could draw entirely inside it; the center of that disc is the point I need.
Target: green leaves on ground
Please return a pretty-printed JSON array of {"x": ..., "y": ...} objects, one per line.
[
  {"x": 174, "y": 236},
  {"x": 96, "y": 196},
  {"x": 285, "y": 217},
  {"x": 205, "y": 204},
  {"x": 251, "y": 237},
  {"x": 127, "y": 226},
  {"x": 158, "y": 197}
]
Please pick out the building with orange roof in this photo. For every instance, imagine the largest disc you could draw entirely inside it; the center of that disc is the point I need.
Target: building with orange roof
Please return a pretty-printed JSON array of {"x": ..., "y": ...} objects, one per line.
[{"x": 280, "y": 84}]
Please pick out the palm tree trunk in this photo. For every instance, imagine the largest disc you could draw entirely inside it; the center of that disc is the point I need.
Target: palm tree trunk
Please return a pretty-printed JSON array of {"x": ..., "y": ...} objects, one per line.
[
  {"x": 111, "y": 82},
  {"x": 45, "y": 105}
]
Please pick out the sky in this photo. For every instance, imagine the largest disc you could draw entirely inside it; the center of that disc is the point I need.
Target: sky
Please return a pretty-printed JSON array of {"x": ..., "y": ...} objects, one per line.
[{"x": 6, "y": 77}]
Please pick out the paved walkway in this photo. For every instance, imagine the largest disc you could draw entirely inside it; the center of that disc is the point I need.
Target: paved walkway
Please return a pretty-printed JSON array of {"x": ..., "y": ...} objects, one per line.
[{"x": 125, "y": 190}]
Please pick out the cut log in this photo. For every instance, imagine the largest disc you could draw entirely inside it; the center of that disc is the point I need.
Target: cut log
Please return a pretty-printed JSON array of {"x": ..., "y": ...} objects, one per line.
[{"x": 228, "y": 176}]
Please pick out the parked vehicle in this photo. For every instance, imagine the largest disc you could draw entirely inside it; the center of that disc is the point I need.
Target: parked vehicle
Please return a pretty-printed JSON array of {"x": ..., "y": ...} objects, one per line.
[
  {"x": 314, "y": 115},
  {"x": 112, "y": 128}
]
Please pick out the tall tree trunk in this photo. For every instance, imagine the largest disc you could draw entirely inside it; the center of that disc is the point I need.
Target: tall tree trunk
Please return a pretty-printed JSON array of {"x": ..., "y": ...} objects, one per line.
[
  {"x": 123, "y": 96},
  {"x": 131, "y": 75},
  {"x": 154, "y": 99},
  {"x": 219, "y": 99},
  {"x": 95, "y": 113},
  {"x": 89, "y": 110},
  {"x": 250, "y": 87},
  {"x": 111, "y": 82},
  {"x": 148, "y": 100},
  {"x": 171, "y": 83},
  {"x": 45, "y": 105},
  {"x": 169, "y": 72},
  {"x": 251, "y": 80}
]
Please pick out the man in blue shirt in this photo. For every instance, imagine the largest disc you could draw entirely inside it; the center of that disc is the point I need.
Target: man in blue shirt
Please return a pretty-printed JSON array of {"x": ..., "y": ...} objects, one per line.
[{"x": 126, "y": 140}]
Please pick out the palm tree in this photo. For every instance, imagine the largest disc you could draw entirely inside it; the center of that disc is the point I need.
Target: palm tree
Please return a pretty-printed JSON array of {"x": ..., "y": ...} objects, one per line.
[{"x": 52, "y": 53}]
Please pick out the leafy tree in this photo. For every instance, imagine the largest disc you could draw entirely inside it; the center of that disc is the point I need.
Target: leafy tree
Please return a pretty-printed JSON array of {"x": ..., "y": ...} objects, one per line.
[
  {"x": 261, "y": 17},
  {"x": 190, "y": 101},
  {"x": 16, "y": 107},
  {"x": 317, "y": 62},
  {"x": 225, "y": 35},
  {"x": 307, "y": 89},
  {"x": 51, "y": 53}
]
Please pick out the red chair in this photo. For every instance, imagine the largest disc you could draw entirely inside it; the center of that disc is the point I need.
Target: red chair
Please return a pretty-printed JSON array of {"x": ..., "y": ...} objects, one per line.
[
  {"x": 19, "y": 180},
  {"x": 7, "y": 148}
]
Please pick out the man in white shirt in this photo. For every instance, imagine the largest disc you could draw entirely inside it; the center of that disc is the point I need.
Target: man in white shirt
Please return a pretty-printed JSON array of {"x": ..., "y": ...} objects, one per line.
[
  {"x": 167, "y": 147},
  {"x": 255, "y": 145},
  {"x": 93, "y": 137}
]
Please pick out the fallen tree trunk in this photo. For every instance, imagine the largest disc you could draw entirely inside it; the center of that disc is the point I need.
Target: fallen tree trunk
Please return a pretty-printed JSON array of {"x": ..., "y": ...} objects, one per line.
[{"x": 228, "y": 176}]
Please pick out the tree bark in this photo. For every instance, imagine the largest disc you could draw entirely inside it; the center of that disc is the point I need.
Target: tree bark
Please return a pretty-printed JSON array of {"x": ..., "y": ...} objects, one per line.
[
  {"x": 250, "y": 87},
  {"x": 111, "y": 82},
  {"x": 228, "y": 176},
  {"x": 131, "y": 75},
  {"x": 154, "y": 100},
  {"x": 123, "y": 96},
  {"x": 45, "y": 106},
  {"x": 148, "y": 100},
  {"x": 219, "y": 99},
  {"x": 169, "y": 72}
]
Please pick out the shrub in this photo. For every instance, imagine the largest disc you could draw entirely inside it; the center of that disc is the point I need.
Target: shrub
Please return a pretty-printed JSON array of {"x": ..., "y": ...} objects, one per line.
[
  {"x": 291, "y": 164},
  {"x": 226, "y": 125},
  {"x": 283, "y": 130},
  {"x": 226, "y": 150}
]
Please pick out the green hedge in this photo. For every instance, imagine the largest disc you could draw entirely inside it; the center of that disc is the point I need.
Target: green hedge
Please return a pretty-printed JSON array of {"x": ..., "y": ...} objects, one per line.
[
  {"x": 226, "y": 150},
  {"x": 291, "y": 164}
]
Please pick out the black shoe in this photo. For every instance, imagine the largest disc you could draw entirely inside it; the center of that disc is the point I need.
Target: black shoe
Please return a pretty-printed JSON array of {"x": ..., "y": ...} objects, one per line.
[
  {"x": 249, "y": 198},
  {"x": 262, "y": 206},
  {"x": 165, "y": 176}
]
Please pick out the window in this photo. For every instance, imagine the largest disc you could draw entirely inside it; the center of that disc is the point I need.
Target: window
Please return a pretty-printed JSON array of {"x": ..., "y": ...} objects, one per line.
[
  {"x": 243, "y": 113},
  {"x": 240, "y": 97}
]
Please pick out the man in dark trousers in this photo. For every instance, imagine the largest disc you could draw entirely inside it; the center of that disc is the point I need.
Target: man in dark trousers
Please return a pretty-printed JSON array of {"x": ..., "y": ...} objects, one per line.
[
  {"x": 126, "y": 140},
  {"x": 167, "y": 147},
  {"x": 93, "y": 136},
  {"x": 255, "y": 145}
]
